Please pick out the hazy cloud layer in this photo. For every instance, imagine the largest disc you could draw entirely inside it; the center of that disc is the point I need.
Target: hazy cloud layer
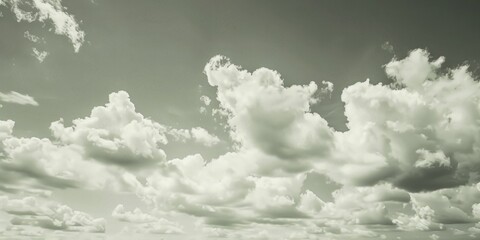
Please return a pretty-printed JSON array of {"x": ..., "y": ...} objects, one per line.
[
  {"x": 31, "y": 211},
  {"x": 145, "y": 223}
]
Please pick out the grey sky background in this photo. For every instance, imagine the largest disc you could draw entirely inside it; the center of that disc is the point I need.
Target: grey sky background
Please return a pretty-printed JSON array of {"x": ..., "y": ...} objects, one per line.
[{"x": 157, "y": 51}]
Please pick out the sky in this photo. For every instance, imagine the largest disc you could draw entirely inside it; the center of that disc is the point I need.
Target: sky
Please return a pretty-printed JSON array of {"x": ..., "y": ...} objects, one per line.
[{"x": 239, "y": 119}]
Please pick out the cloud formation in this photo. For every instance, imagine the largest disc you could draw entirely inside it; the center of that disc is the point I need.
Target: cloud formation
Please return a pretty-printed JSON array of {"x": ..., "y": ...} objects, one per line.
[
  {"x": 197, "y": 134},
  {"x": 48, "y": 11},
  {"x": 420, "y": 135},
  {"x": 18, "y": 98},
  {"x": 31, "y": 211},
  {"x": 409, "y": 158},
  {"x": 417, "y": 134},
  {"x": 144, "y": 223},
  {"x": 265, "y": 115}
]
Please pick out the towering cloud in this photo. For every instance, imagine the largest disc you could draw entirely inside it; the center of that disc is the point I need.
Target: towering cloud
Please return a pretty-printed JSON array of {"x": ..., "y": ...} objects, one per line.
[
  {"x": 420, "y": 135},
  {"x": 265, "y": 115}
]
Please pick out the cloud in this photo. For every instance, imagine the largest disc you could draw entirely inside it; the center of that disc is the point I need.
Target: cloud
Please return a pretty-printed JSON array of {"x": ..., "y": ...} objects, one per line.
[
  {"x": 415, "y": 69},
  {"x": 31, "y": 37},
  {"x": 93, "y": 153},
  {"x": 135, "y": 216},
  {"x": 205, "y": 100},
  {"x": 116, "y": 134},
  {"x": 145, "y": 223},
  {"x": 421, "y": 221},
  {"x": 266, "y": 115},
  {"x": 408, "y": 159},
  {"x": 197, "y": 134},
  {"x": 160, "y": 227},
  {"x": 192, "y": 186},
  {"x": 51, "y": 11},
  {"x": 17, "y": 98},
  {"x": 435, "y": 209},
  {"x": 401, "y": 138},
  {"x": 418, "y": 137},
  {"x": 6, "y": 129},
  {"x": 31, "y": 211},
  {"x": 39, "y": 55},
  {"x": 362, "y": 205},
  {"x": 39, "y": 163},
  {"x": 201, "y": 135}
]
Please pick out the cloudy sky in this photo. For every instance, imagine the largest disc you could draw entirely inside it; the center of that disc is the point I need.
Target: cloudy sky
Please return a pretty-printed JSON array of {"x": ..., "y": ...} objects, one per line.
[{"x": 281, "y": 120}]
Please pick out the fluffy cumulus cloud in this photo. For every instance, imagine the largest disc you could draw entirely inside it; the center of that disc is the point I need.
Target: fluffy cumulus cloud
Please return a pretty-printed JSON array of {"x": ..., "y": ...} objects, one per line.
[
  {"x": 265, "y": 115},
  {"x": 116, "y": 134},
  {"x": 421, "y": 133},
  {"x": 30, "y": 211},
  {"x": 408, "y": 160},
  {"x": 417, "y": 134},
  {"x": 17, "y": 98},
  {"x": 197, "y": 134},
  {"x": 39, "y": 163},
  {"x": 435, "y": 209},
  {"x": 93, "y": 153},
  {"x": 51, "y": 12}
]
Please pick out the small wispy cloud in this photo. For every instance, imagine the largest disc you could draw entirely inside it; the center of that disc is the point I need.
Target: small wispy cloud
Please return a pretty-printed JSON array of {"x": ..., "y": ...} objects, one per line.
[
  {"x": 31, "y": 37},
  {"x": 18, "y": 98},
  {"x": 39, "y": 55}
]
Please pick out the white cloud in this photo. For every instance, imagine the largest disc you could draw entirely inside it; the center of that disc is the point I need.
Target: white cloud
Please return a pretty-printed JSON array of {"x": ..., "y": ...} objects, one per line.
[
  {"x": 39, "y": 163},
  {"x": 31, "y": 37},
  {"x": 135, "y": 216},
  {"x": 434, "y": 237},
  {"x": 446, "y": 206},
  {"x": 429, "y": 160},
  {"x": 6, "y": 129},
  {"x": 206, "y": 100},
  {"x": 141, "y": 222},
  {"x": 362, "y": 205},
  {"x": 116, "y": 134},
  {"x": 197, "y": 134},
  {"x": 266, "y": 115},
  {"x": 39, "y": 55},
  {"x": 476, "y": 210},
  {"x": 403, "y": 144},
  {"x": 415, "y": 69},
  {"x": 48, "y": 11},
  {"x": 421, "y": 221},
  {"x": 202, "y": 136},
  {"x": 18, "y": 98},
  {"x": 397, "y": 141},
  {"x": 31, "y": 211},
  {"x": 421, "y": 137},
  {"x": 161, "y": 226}
]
